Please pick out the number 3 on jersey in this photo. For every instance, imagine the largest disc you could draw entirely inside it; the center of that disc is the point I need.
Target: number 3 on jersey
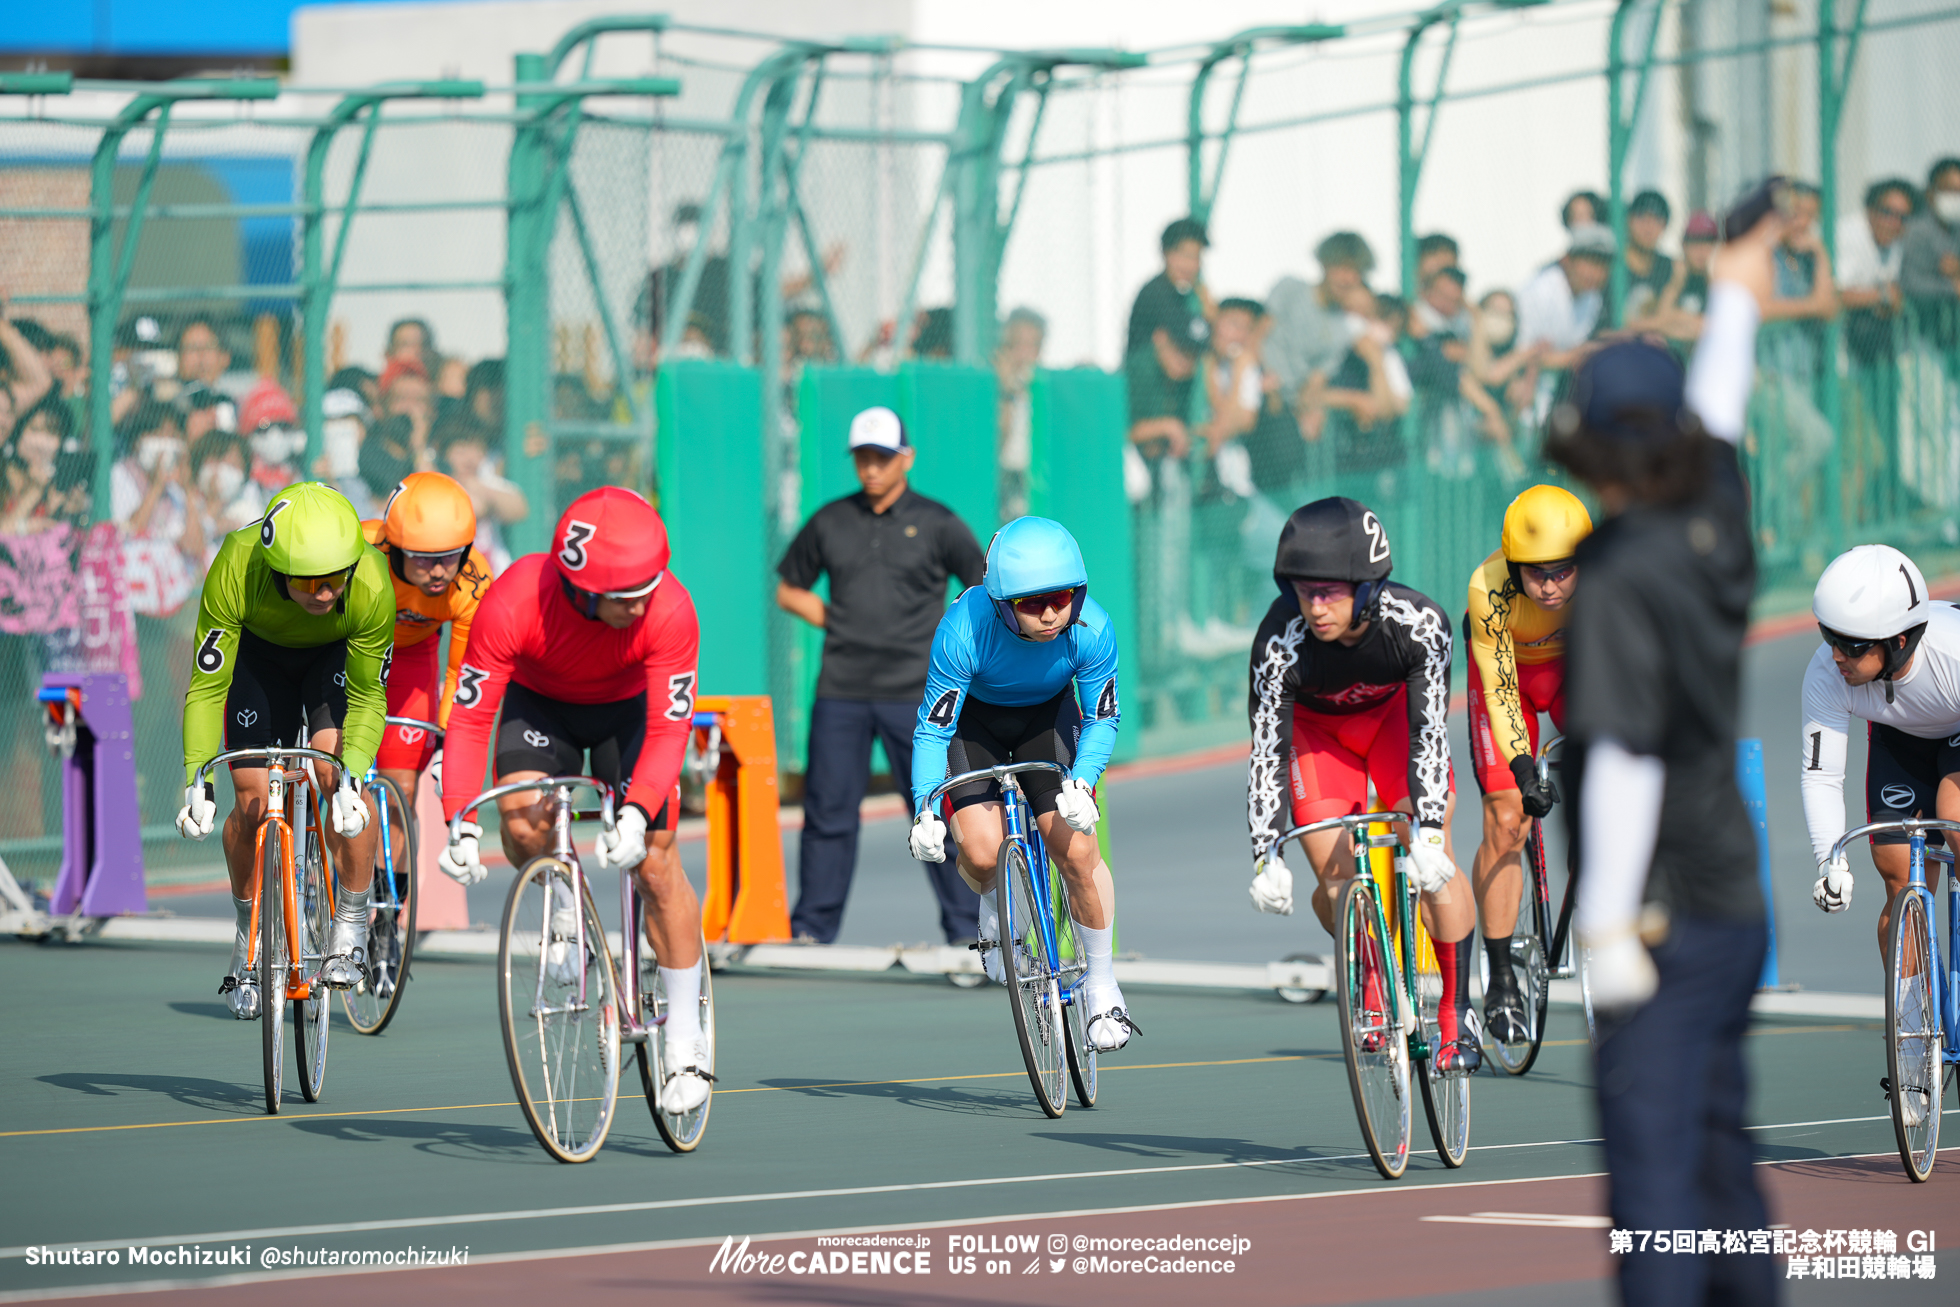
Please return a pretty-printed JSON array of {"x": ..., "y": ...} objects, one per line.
[
  {"x": 680, "y": 697},
  {"x": 469, "y": 685}
]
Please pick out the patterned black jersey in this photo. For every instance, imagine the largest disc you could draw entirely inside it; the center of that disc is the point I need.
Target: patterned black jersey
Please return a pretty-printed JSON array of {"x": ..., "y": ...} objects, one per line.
[{"x": 1407, "y": 645}]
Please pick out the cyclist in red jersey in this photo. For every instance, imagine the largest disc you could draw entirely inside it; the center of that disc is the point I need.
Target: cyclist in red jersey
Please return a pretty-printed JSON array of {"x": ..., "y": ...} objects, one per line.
[{"x": 591, "y": 648}]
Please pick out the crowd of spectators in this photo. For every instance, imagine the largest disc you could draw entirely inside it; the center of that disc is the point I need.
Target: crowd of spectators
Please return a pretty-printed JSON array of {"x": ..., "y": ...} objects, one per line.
[{"x": 1338, "y": 376}]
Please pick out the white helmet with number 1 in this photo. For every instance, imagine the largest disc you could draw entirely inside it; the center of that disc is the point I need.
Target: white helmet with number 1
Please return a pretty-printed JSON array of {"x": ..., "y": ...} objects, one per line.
[{"x": 1872, "y": 592}]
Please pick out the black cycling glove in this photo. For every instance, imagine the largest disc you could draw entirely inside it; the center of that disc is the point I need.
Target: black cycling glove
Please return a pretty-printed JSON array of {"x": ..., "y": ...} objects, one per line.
[{"x": 1538, "y": 795}]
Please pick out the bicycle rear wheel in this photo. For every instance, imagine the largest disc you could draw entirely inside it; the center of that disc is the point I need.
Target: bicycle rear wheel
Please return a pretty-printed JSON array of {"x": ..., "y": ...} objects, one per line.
[
  {"x": 274, "y": 854},
  {"x": 1914, "y": 1061},
  {"x": 1075, "y": 1002},
  {"x": 1445, "y": 1094},
  {"x": 310, "y": 1014},
  {"x": 682, "y": 1132},
  {"x": 1371, "y": 1037},
  {"x": 560, "y": 1011},
  {"x": 1528, "y": 963},
  {"x": 391, "y": 920},
  {"x": 1032, "y": 989}
]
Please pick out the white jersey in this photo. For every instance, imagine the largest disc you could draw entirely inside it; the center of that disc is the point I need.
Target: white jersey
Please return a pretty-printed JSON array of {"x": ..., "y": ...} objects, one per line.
[{"x": 1925, "y": 702}]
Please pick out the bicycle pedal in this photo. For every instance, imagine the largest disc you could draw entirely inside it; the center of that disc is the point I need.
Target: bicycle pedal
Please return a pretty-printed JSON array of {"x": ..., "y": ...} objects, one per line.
[{"x": 981, "y": 946}]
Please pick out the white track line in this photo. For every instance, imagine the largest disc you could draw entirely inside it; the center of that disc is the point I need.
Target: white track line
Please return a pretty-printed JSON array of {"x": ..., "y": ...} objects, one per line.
[{"x": 791, "y": 1195}]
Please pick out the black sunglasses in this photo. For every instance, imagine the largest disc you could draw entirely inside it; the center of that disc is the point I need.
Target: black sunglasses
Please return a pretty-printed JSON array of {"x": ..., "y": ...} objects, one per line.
[{"x": 1845, "y": 644}]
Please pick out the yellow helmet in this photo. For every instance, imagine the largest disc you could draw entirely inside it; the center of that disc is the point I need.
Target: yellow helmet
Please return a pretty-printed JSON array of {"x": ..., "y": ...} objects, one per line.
[{"x": 1544, "y": 525}]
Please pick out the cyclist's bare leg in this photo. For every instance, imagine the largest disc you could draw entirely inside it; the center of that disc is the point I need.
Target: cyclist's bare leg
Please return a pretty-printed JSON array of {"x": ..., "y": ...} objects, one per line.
[
  {"x": 409, "y": 783},
  {"x": 1894, "y": 863},
  {"x": 524, "y": 819},
  {"x": 979, "y": 829},
  {"x": 240, "y": 831},
  {"x": 673, "y": 914},
  {"x": 1091, "y": 889},
  {"x": 1497, "y": 874},
  {"x": 353, "y": 857}
]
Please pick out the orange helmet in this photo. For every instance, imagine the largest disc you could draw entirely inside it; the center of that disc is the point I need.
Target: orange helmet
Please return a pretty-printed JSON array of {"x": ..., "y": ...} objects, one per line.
[{"x": 429, "y": 514}]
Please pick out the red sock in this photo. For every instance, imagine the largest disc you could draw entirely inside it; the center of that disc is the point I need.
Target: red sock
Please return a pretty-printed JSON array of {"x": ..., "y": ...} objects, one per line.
[{"x": 1446, "y": 960}]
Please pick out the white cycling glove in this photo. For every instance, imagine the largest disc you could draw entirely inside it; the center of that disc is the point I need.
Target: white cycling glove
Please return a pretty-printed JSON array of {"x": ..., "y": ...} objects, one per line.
[
  {"x": 350, "y": 810},
  {"x": 1429, "y": 863},
  {"x": 199, "y": 813},
  {"x": 1077, "y": 805},
  {"x": 1619, "y": 971},
  {"x": 928, "y": 840},
  {"x": 1272, "y": 887},
  {"x": 1832, "y": 892},
  {"x": 625, "y": 845},
  {"x": 461, "y": 859}
]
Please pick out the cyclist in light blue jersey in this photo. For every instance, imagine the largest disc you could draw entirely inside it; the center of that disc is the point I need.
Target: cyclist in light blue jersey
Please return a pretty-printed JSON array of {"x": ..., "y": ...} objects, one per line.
[{"x": 1024, "y": 669}]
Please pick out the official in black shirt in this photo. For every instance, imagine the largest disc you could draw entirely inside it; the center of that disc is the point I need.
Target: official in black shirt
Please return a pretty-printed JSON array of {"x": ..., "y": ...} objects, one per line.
[
  {"x": 1669, "y": 902},
  {"x": 888, "y": 553}
]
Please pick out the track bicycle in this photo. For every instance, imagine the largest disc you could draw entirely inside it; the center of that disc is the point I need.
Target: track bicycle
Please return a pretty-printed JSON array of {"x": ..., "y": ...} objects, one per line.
[
  {"x": 1541, "y": 951},
  {"x": 289, "y": 944},
  {"x": 1382, "y": 956},
  {"x": 565, "y": 1008},
  {"x": 1922, "y": 1048},
  {"x": 1042, "y": 963},
  {"x": 371, "y": 1004}
]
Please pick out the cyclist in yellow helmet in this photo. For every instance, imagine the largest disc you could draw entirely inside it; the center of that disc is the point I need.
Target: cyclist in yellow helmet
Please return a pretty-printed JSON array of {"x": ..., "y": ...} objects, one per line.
[{"x": 1515, "y": 629}]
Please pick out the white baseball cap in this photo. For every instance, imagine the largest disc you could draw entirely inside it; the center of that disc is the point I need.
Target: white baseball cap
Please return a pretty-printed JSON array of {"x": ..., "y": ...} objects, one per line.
[{"x": 879, "y": 428}]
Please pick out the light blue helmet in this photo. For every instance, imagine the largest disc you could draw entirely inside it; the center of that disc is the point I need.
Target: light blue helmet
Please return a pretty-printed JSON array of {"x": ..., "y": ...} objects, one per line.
[{"x": 1034, "y": 556}]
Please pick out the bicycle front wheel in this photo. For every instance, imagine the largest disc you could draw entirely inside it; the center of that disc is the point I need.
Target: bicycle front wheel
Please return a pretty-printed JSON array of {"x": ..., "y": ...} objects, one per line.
[
  {"x": 681, "y": 1132},
  {"x": 391, "y": 918},
  {"x": 1445, "y": 1094},
  {"x": 1528, "y": 963},
  {"x": 274, "y": 854},
  {"x": 1371, "y": 1036},
  {"x": 560, "y": 1011},
  {"x": 310, "y": 1014},
  {"x": 1032, "y": 988},
  {"x": 1075, "y": 998},
  {"x": 1913, "y": 1043}
]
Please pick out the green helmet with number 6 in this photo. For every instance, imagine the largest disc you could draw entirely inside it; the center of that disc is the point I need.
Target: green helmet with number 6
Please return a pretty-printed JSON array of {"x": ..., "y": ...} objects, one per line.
[{"x": 310, "y": 529}]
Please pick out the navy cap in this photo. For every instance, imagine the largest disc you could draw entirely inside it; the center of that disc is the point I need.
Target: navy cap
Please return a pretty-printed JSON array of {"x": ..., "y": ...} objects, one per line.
[{"x": 1626, "y": 375}]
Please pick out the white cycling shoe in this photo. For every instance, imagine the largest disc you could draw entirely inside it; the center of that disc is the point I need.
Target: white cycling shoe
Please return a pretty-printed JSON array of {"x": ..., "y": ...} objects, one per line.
[
  {"x": 1110, "y": 1024},
  {"x": 346, "y": 964},
  {"x": 559, "y": 963},
  {"x": 242, "y": 996},
  {"x": 688, "y": 1076}
]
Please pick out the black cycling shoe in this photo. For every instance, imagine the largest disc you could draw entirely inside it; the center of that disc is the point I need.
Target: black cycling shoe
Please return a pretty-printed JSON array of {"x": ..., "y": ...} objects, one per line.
[
  {"x": 1504, "y": 1017},
  {"x": 1464, "y": 1054}
]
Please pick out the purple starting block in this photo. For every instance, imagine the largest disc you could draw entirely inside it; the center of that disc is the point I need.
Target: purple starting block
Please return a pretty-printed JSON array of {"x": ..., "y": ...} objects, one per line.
[{"x": 101, "y": 831}]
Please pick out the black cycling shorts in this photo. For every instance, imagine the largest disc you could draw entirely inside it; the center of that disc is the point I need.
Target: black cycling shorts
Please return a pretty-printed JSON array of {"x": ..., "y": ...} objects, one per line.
[
  {"x": 276, "y": 690},
  {"x": 989, "y": 735},
  {"x": 551, "y": 736},
  {"x": 1902, "y": 778}
]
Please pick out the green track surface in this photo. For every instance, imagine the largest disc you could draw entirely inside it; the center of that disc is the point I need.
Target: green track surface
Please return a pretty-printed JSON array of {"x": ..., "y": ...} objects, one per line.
[{"x": 133, "y": 1115}]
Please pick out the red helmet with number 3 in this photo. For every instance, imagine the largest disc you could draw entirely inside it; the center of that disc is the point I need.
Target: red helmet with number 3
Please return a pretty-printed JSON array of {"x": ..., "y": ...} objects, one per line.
[{"x": 609, "y": 544}]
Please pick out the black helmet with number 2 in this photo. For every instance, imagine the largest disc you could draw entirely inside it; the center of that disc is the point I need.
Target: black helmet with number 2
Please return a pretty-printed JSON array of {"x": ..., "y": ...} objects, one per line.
[{"x": 1335, "y": 539}]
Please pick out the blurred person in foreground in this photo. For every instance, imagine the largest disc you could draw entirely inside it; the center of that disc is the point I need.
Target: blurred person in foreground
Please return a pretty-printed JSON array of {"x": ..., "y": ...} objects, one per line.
[
  {"x": 888, "y": 552},
  {"x": 1669, "y": 902}
]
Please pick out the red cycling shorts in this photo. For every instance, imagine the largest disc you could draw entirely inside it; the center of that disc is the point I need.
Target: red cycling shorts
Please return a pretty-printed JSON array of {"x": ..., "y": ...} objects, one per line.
[
  {"x": 414, "y": 689},
  {"x": 1334, "y": 758},
  {"x": 1541, "y": 688}
]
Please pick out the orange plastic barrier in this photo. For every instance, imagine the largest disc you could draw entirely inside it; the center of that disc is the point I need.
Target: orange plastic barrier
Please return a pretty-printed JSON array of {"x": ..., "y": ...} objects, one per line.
[{"x": 747, "y": 901}]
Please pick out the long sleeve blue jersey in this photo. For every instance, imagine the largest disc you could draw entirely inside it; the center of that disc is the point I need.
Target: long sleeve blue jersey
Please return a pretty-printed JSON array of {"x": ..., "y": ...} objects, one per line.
[{"x": 973, "y": 653}]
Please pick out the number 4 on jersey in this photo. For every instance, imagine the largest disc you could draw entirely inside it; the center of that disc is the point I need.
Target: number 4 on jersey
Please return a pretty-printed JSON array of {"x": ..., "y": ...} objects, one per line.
[
  {"x": 945, "y": 709},
  {"x": 1106, "y": 701}
]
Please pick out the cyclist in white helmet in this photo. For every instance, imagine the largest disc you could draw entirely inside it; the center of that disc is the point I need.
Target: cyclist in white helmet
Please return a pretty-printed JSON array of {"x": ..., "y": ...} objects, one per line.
[{"x": 1891, "y": 656}]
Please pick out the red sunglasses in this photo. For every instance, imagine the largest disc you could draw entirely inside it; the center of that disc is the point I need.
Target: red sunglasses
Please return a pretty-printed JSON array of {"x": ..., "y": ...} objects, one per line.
[{"x": 1036, "y": 605}]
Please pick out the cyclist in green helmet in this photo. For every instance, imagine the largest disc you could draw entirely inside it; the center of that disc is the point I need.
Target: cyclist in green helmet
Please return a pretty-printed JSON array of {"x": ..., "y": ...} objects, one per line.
[{"x": 297, "y": 625}]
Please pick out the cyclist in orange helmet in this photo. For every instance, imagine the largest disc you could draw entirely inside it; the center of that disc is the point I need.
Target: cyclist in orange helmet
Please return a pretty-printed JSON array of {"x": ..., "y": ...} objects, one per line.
[{"x": 425, "y": 532}]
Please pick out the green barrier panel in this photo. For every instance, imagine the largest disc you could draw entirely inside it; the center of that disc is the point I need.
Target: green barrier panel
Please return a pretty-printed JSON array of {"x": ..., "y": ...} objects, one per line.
[
  {"x": 713, "y": 492},
  {"x": 1079, "y": 427},
  {"x": 953, "y": 415}
]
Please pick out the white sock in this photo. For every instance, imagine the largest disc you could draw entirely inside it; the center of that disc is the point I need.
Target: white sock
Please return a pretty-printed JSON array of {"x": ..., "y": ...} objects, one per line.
[
  {"x": 1098, "y": 947},
  {"x": 683, "y": 986},
  {"x": 241, "y": 943},
  {"x": 990, "y": 914}
]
